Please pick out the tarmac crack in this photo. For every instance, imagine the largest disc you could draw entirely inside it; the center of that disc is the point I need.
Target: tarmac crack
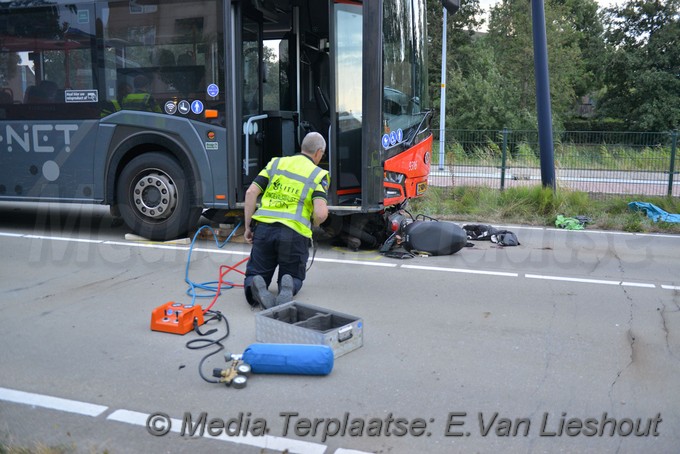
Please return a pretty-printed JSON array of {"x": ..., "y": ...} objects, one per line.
[
  {"x": 33, "y": 285},
  {"x": 664, "y": 327},
  {"x": 103, "y": 281},
  {"x": 663, "y": 312},
  {"x": 631, "y": 338},
  {"x": 549, "y": 355}
]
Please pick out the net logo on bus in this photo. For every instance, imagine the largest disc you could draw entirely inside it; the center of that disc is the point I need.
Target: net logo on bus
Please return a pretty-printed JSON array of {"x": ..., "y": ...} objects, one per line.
[{"x": 40, "y": 138}]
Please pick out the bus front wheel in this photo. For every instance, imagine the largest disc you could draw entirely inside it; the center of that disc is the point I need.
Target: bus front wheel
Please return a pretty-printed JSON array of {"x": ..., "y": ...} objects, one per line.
[{"x": 153, "y": 195}]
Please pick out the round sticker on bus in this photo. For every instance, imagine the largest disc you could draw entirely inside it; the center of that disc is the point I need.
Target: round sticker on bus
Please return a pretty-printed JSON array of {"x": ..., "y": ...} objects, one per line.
[
  {"x": 183, "y": 107},
  {"x": 170, "y": 107},
  {"x": 385, "y": 140},
  {"x": 213, "y": 90},
  {"x": 197, "y": 107}
]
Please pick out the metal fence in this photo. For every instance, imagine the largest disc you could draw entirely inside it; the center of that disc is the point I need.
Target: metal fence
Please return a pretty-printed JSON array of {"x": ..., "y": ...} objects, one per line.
[{"x": 594, "y": 162}]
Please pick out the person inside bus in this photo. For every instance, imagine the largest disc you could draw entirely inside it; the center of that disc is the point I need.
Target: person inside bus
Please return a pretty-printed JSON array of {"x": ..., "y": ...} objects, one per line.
[
  {"x": 140, "y": 98},
  {"x": 294, "y": 197},
  {"x": 124, "y": 89},
  {"x": 114, "y": 104}
]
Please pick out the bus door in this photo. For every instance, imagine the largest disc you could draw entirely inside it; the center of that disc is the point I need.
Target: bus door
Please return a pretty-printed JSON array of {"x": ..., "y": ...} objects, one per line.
[
  {"x": 301, "y": 66},
  {"x": 251, "y": 96},
  {"x": 356, "y": 78},
  {"x": 265, "y": 51},
  {"x": 331, "y": 92}
]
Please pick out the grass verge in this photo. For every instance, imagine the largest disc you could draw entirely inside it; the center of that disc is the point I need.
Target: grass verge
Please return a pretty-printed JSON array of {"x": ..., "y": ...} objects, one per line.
[{"x": 538, "y": 206}]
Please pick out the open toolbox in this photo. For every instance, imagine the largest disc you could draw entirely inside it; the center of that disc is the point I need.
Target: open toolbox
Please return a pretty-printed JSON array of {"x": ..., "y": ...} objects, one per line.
[{"x": 299, "y": 323}]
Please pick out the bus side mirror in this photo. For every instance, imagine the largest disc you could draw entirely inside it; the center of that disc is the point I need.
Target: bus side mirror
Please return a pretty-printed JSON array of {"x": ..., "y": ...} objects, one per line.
[{"x": 451, "y": 5}]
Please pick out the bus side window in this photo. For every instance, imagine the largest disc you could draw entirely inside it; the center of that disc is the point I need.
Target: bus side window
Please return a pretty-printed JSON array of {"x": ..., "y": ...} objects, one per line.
[{"x": 45, "y": 92}]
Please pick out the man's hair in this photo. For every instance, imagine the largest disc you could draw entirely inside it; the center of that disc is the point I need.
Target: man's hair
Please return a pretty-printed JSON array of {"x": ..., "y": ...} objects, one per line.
[{"x": 313, "y": 141}]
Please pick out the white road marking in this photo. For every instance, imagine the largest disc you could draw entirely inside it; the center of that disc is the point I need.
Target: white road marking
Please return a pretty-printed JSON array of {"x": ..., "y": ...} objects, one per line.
[
  {"x": 356, "y": 262},
  {"x": 588, "y": 281},
  {"x": 265, "y": 441},
  {"x": 140, "y": 419},
  {"x": 460, "y": 270},
  {"x": 599, "y": 232},
  {"x": 13, "y": 235},
  {"x": 157, "y": 245},
  {"x": 62, "y": 238},
  {"x": 637, "y": 284},
  {"x": 53, "y": 403}
]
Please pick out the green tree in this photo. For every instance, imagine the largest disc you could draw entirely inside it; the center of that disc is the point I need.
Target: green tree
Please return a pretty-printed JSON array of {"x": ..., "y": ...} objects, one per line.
[
  {"x": 510, "y": 36},
  {"x": 582, "y": 17},
  {"x": 272, "y": 75},
  {"x": 642, "y": 68},
  {"x": 460, "y": 33},
  {"x": 480, "y": 95},
  {"x": 490, "y": 77}
]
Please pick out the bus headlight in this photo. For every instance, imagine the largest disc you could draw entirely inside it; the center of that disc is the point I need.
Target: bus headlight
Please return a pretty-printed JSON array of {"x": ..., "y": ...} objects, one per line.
[
  {"x": 391, "y": 193},
  {"x": 394, "y": 177}
]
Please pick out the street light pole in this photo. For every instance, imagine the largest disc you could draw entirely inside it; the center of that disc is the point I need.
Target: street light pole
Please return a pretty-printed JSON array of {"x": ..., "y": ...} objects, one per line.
[
  {"x": 543, "y": 108},
  {"x": 442, "y": 102}
]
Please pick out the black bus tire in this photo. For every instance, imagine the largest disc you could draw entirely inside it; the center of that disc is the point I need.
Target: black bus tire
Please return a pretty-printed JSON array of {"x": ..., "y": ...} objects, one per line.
[{"x": 153, "y": 194}]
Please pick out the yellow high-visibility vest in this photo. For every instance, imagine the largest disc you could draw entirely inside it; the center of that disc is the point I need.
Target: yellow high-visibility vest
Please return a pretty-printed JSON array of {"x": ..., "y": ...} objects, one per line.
[
  {"x": 140, "y": 101},
  {"x": 288, "y": 196},
  {"x": 110, "y": 107}
]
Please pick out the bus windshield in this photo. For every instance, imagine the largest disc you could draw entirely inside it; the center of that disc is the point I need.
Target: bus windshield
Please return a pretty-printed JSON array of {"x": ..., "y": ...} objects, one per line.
[{"x": 404, "y": 66}]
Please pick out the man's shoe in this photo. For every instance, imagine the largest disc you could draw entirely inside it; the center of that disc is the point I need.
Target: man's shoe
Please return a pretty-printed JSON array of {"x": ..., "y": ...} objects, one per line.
[
  {"x": 285, "y": 289},
  {"x": 261, "y": 294}
]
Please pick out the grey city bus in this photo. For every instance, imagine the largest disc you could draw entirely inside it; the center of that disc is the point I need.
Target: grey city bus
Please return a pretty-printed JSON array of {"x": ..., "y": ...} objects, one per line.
[{"x": 162, "y": 109}]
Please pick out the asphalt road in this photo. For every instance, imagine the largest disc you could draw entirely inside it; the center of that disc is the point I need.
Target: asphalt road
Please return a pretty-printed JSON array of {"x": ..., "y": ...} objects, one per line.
[{"x": 569, "y": 342}]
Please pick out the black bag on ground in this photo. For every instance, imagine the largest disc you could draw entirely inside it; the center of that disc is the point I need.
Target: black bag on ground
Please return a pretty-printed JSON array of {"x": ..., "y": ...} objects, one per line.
[
  {"x": 505, "y": 238},
  {"x": 434, "y": 237},
  {"x": 479, "y": 231},
  {"x": 487, "y": 232}
]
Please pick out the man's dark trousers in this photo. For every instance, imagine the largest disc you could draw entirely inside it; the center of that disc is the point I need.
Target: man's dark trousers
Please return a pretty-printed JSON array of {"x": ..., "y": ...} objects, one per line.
[{"x": 276, "y": 245}]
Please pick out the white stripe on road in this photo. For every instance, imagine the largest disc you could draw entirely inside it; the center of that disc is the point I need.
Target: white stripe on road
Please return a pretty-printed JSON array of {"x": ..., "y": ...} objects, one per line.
[
  {"x": 637, "y": 284},
  {"x": 62, "y": 238},
  {"x": 588, "y": 281},
  {"x": 140, "y": 419},
  {"x": 460, "y": 270},
  {"x": 356, "y": 262},
  {"x": 13, "y": 235},
  {"x": 53, "y": 403},
  {"x": 157, "y": 245},
  {"x": 265, "y": 441}
]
